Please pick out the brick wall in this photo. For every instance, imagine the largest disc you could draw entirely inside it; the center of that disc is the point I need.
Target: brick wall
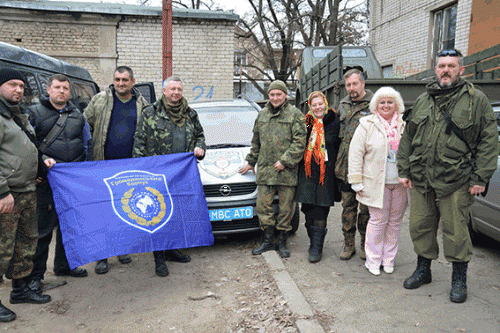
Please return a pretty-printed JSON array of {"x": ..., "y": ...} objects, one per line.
[
  {"x": 203, "y": 54},
  {"x": 401, "y": 32},
  {"x": 203, "y": 49}
]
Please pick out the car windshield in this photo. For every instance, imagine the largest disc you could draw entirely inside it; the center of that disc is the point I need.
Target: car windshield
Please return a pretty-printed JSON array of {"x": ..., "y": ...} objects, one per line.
[{"x": 227, "y": 126}]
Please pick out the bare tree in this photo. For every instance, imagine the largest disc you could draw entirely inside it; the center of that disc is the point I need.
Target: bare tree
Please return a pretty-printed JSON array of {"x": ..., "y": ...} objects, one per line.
[{"x": 275, "y": 29}]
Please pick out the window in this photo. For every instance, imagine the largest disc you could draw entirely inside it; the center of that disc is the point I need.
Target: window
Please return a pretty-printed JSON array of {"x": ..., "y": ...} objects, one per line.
[
  {"x": 31, "y": 94},
  {"x": 387, "y": 71},
  {"x": 240, "y": 61},
  {"x": 354, "y": 53},
  {"x": 445, "y": 24}
]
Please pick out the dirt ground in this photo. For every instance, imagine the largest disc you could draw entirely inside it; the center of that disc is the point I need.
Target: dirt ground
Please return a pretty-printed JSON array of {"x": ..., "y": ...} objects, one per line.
[{"x": 223, "y": 289}]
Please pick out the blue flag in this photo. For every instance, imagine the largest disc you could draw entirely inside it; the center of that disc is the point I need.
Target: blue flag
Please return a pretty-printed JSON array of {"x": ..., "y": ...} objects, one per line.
[{"x": 115, "y": 207}]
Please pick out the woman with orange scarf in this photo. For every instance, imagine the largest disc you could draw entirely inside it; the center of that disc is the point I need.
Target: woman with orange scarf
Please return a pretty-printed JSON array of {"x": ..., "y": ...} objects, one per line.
[{"x": 317, "y": 189}]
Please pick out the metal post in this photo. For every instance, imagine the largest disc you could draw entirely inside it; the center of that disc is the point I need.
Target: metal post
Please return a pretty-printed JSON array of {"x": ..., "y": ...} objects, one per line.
[{"x": 167, "y": 38}]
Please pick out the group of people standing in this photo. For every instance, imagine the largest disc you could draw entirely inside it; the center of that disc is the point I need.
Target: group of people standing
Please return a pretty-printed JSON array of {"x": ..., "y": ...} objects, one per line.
[
  {"x": 373, "y": 156},
  {"x": 118, "y": 123},
  {"x": 366, "y": 154}
]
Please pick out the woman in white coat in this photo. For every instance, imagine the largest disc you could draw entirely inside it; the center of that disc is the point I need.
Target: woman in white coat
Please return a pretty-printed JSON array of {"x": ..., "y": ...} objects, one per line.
[{"x": 373, "y": 175}]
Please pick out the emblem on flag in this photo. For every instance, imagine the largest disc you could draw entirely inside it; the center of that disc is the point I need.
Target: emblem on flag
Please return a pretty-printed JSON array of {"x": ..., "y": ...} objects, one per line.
[{"x": 141, "y": 199}]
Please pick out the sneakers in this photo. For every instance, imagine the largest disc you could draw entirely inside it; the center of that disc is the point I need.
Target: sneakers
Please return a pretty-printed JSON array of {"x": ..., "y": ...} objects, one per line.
[
  {"x": 374, "y": 271},
  {"x": 389, "y": 269}
]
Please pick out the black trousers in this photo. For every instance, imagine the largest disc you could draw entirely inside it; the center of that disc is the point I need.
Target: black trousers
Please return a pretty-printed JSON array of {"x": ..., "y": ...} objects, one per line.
[{"x": 47, "y": 222}]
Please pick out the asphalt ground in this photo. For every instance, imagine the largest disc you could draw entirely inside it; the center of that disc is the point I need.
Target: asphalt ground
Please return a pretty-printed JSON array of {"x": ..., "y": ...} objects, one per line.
[{"x": 344, "y": 297}]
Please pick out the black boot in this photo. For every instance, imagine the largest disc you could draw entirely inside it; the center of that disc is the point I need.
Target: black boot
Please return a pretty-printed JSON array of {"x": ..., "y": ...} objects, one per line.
[
  {"x": 176, "y": 255},
  {"x": 161, "y": 266},
  {"x": 267, "y": 242},
  {"x": 282, "y": 249},
  {"x": 317, "y": 241},
  {"x": 458, "y": 293},
  {"x": 309, "y": 224},
  {"x": 101, "y": 267},
  {"x": 21, "y": 293},
  {"x": 6, "y": 314},
  {"x": 421, "y": 275},
  {"x": 36, "y": 285}
]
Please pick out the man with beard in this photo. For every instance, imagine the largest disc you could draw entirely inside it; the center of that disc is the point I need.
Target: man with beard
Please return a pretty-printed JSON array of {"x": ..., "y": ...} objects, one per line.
[
  {"x": 113, "y": 115},
  {"x": 169, "y": 126},
  {"x": 18, "y": 171},
  {"x": 352, "y": 107},
  {"x": 72, "y": 143},
  {"x": 447, "y": 155}
]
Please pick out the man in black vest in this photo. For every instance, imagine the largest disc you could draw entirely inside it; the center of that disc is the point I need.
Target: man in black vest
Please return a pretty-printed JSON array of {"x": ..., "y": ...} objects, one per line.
[{"x": 72, "y": 143}]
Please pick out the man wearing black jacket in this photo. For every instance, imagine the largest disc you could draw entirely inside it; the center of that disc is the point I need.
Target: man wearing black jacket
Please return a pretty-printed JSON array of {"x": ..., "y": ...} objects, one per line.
[{"x": 71, "y": 143}]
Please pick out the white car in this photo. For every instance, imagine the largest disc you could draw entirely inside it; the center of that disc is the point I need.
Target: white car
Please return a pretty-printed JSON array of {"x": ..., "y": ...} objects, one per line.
[{"x": 231, "y": 197}]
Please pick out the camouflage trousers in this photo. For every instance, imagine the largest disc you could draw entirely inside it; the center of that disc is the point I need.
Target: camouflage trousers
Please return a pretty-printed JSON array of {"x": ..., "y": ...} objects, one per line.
[
  {"x": 351, "y": 216},
  {"x": 265, "y": 209},
  {"x": 18, "y": 237}
]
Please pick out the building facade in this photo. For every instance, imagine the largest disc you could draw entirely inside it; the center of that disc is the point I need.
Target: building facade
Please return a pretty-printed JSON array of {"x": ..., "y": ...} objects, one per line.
[
  {"x": 406, "y": 35},
  {"x": 100, "y": 37}
]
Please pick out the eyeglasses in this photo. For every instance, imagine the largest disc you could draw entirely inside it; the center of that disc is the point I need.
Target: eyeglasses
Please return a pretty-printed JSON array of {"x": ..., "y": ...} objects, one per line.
[{"x": 451, "y": 53}]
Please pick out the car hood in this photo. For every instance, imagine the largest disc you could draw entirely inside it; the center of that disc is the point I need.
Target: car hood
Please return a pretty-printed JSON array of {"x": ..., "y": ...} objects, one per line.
[{"x": 222, "y": 165}]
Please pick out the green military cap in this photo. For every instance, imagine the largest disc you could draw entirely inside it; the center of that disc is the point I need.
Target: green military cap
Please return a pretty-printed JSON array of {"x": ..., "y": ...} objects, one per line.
[{"x": 278, "y": 84}]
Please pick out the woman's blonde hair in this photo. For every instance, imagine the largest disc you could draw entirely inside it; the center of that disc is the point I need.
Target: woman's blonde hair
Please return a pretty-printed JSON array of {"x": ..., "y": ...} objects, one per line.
[{"x": 387, "y": 92}]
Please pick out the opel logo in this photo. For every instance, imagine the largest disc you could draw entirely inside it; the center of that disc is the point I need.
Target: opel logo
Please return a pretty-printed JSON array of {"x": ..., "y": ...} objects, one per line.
[{"x": 225, "y": 190}]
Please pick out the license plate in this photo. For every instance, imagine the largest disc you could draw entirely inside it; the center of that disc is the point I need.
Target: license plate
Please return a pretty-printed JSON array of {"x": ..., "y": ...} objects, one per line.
[{"x": 229, "y": 214}]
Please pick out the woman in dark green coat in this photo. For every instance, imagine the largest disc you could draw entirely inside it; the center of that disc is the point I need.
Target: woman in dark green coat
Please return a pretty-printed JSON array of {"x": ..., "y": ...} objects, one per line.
[{"x": 317, "y": 189}]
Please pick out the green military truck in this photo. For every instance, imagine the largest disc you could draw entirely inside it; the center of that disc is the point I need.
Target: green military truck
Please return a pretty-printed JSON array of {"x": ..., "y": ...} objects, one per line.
[{"x": 325, "y": 74}]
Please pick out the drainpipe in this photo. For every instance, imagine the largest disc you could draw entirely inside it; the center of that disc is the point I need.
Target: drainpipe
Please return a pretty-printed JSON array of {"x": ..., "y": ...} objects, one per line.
[{"x": 167, "y": 38}]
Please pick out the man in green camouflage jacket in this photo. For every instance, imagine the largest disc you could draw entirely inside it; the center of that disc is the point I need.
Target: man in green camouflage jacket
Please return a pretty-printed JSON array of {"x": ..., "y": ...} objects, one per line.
[
  {"x": 447, "y": 154},
  {"x": 113, "y": 115},
  {"x": 352, "y": 107},
  {"x": 169, "y": 126},
  {"x": 278, "y": 143}
]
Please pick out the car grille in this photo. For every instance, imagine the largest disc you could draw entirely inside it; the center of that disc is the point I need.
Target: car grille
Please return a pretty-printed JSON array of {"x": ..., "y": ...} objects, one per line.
[
  {"x": 236, "y": 189},
  {"x": 221, "y": 227}
]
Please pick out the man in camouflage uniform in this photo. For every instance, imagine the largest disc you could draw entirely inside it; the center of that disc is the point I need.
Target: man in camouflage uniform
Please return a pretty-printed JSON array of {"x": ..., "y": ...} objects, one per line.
[
  {"x": 169, "y": 126},
  {"x": 113, "y": 115},
  {"x": 278, "y": 143},
  {"x": 447, "y": 154},
  {"x": 352, "y": 107},
  {"x": 18, "y": 171}
]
